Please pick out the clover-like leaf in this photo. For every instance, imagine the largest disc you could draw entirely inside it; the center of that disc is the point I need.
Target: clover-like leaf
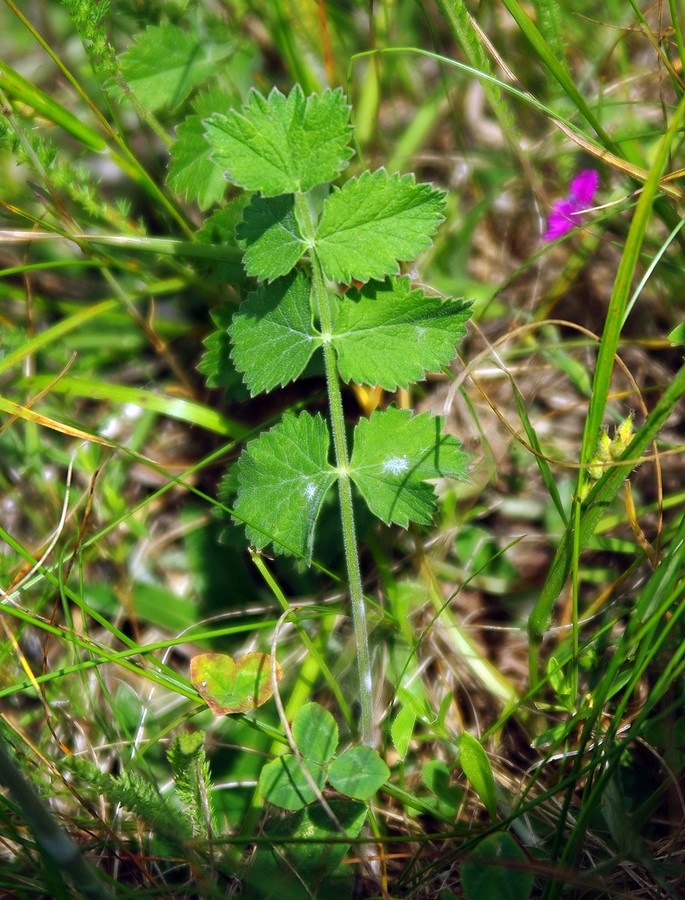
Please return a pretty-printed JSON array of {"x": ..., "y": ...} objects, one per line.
[
  {"x": 228, "y": 686},
  {"x": 372, "y": 222},
  {"x": 282, "y": 145},
  {"x": 284, "y": 783},
  {"x": 166, "y": 62},
  {"x": 497, "y": 869},
  {"x": 191, "y": 172},
  {"x": 358, "y": 773},
  {"x": 272, "y": 333},
  {"x": 283, "y": 477},
  {"x": 390, "y": 335},
  {"x": 394, "y": 454},
  {"x": 315, "y": 733},
  {"x": 313, "y": 857},
  {"x": 270, "y": 236}
]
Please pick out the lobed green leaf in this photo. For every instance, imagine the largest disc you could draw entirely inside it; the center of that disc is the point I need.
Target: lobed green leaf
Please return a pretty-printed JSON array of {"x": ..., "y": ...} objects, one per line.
[
  {"x": 283, "y": 477},
  {"x": 394, "y": 454},
  {"x": 272, "y": 333},
  {"x": 166, "y": 62},
  {"x": 390, "y": 335},
  {"x": 372, "y": 222},
  {"x": 282, "y": 145},
  {"x": 191, "y": 173},
  {"x": 270, "y": 236}
]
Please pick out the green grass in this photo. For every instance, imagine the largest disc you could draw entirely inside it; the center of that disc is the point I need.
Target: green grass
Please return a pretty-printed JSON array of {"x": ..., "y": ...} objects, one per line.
[{"x": 546, "y": 630}]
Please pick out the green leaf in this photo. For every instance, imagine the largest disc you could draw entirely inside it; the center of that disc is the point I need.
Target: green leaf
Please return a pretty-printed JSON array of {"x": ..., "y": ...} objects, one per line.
[
  {"x": 358, "y": 773},
  {"x": 282, "y": 145},
  {"x": 191, "y": 172},
  {"x": 485, "y": 874},
  {"x": 436, "y": 776},
  {"x": 283, "y": 783},
  {"x": 228, "y": 686},
  {"x": 394, "y": 453},
  {"x": 372, "y": 222},
  {"x": 219, "y": 229},
  {"x": 315, "y": 733},
  {"x": 284, "y": 475},
  {"x": 305, "y": 867},
  {"x": 402, "y": 730},
  {"x": 216, "y": 364},
  {"x": 166, "y": 62},
  {"x": 270, "y": 236},
  {"x": 272, "y": 333},
  {"x": 677, "y": 335},
  {"x": 476, "y": 766},
  {"x": 390, "y": 335}
]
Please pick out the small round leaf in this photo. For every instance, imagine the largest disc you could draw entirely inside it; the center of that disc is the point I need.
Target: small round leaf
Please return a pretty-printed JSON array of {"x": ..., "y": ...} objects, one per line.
[{"x": 358, "y": 773}]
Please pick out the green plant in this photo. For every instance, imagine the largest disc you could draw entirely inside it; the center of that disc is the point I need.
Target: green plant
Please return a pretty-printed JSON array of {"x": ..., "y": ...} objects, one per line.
[{"x": 299, "y": 237}]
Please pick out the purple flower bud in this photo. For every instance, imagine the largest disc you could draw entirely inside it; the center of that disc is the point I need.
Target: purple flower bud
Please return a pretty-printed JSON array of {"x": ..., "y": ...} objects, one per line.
[{"x": 566, "y": 214}]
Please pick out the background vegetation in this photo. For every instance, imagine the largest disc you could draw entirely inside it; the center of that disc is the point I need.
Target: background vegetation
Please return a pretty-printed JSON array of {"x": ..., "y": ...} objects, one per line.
[{"x": 527, "y": 649}]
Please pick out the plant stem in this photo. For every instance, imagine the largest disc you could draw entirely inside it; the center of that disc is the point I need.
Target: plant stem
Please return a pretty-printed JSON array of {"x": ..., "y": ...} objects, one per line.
[{"x": 361, "y": 635}]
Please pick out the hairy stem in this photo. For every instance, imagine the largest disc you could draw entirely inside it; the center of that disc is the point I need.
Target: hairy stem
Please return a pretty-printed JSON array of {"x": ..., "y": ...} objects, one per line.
[{"x": 322, "y": 308}]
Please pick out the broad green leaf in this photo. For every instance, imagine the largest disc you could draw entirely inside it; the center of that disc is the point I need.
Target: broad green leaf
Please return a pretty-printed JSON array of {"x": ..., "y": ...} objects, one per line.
[
  {"x": 372, "y": 222},
  {"x": 358, "y": 773},
  {"x": 191, "y": 172},
  {"x": 282, "y": 145},
  {"x": 315, "y": 733},
  {"x": 219, "y": 230},
  {"x": 677, "y": 336},
  {"x": 272, "y": 333},
  {"x": 486, "y": 875},
  {"x": 216, "y": 364},
  {"x": 311, "y": 864},
  {"x": 402, "y": 730},
  {"x": 390, "y": 335},
  {"x": 283, "y": 782},
  {"x": 228, "y": 686},
  {"x": 394, "y": 453},
  {"x": 284, "y": 475},
  {"x": 166, "y": 62},
  {"x": 436, "y": 776},
  {"x": 476, "y": 766},
  {"x": 270, "y": 236}
]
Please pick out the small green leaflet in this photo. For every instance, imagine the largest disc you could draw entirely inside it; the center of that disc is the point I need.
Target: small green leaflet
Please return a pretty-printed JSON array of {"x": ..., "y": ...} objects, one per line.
[
  {"x": 284, "y": 783},
  {"x": 390, "y": 335},
  {"x": 372, "y": 222},
  {"x": 282, "y": 145},
  {"x": 283, "y": 478},
  {"x": 358, "y": 773},
  {"x": 220, "y": 228},
  {"x": 677, "y": 336},
  {"x": 191, "y": 173},
  {"x": 228, "y": 686},
  {"x": 394, "y": 453},
  {"x": 476, "y": 766},
  {"x": 270, "y": 236},
  {"x": 166, "y": 62},
  {"x": 315, "y": 734},
  {"x": 272, "y": 333},
  {"x": 497, "y": 869},
  {"x": 216, "y": 363}
]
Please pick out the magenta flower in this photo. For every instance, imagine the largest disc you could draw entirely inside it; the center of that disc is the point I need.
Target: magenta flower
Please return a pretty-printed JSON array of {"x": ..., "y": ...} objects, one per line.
[{"x": 567, "y": 214}]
